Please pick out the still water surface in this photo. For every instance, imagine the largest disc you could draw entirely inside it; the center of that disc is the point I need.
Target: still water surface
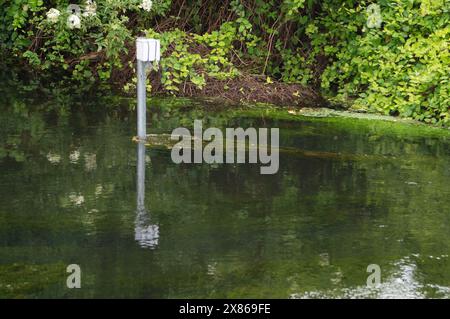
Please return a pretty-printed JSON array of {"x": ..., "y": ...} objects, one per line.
[{"x": 348, "y": 193}]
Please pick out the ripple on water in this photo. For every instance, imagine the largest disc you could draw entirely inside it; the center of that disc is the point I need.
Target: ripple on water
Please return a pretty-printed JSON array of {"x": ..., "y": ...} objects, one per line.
[{"x": 401, "y": 284}]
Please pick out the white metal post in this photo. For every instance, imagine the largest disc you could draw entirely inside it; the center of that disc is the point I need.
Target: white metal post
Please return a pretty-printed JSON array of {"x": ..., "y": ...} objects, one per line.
[
  {"x": 141, "y": 100},
  {"x": 147, "y": 51}
]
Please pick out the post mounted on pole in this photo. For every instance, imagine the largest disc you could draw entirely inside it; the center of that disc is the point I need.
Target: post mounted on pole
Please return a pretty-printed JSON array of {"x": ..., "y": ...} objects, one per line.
[{"x": 147, "y": 51}]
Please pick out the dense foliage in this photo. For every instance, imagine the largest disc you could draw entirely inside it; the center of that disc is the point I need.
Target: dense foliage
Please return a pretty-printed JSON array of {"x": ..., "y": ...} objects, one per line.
[{"x": 388, "y": 56}]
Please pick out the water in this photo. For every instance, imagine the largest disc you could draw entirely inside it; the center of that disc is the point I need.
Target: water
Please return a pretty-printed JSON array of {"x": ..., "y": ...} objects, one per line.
[{"x": 349, "y": 193}]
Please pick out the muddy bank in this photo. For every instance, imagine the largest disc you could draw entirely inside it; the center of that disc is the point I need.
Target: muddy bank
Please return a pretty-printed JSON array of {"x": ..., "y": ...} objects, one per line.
[{"x": 249, "y": 89}]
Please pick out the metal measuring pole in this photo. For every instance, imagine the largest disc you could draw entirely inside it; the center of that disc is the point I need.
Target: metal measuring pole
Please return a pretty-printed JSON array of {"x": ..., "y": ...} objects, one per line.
[{"x": 147, "y": 51}]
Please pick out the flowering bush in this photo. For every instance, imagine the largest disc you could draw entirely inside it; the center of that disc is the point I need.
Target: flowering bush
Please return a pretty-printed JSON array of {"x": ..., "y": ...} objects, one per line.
[{"x": 79, "y": 42}]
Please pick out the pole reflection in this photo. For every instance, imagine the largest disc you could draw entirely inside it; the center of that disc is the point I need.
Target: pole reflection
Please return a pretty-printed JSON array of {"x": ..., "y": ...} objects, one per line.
[{"x": 145, "y": 233}]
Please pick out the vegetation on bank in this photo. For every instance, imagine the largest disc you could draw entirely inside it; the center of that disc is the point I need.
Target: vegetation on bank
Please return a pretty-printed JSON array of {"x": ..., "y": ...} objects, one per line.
[{"x": 386, "y": 56}]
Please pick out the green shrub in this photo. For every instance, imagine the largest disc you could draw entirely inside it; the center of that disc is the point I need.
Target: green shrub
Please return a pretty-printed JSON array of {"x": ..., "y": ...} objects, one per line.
[
  {"x": 386, "y": 56},
  {"x": 402, "y": 67}
]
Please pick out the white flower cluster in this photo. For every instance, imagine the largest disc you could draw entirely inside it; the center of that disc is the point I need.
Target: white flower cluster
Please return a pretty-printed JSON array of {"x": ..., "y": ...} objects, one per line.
[
  {"x": 90, "y": 9},
  {"x": 74, "y": 18},
  {"x": 53, "y": 15},
  {"x": 374, "y": 19},
  {"x": 74, "y": 22},
  {"x": 146, "y": 5}
]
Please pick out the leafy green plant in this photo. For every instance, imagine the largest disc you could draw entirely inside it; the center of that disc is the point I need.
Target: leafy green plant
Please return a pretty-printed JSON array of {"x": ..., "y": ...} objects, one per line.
[{"x": 385, "y": 56}]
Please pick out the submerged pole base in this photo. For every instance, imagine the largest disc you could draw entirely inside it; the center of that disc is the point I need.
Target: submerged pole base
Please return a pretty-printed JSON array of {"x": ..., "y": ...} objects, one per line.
[{"x": 138, "y": 139}]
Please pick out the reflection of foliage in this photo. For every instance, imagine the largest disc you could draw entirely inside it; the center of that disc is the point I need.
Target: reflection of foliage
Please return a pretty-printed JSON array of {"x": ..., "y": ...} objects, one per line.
[
  {"x": 225, "y": 231},
  {"x": 24, "y": 280}
]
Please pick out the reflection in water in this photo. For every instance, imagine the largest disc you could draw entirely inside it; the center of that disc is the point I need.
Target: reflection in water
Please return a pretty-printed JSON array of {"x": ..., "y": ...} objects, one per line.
[
  {"x": 145, "y": 233},
  {"x": 401, "y": 284},
  {"x": 90, "y": 162},
  {"x": 67, "y": 195}
]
